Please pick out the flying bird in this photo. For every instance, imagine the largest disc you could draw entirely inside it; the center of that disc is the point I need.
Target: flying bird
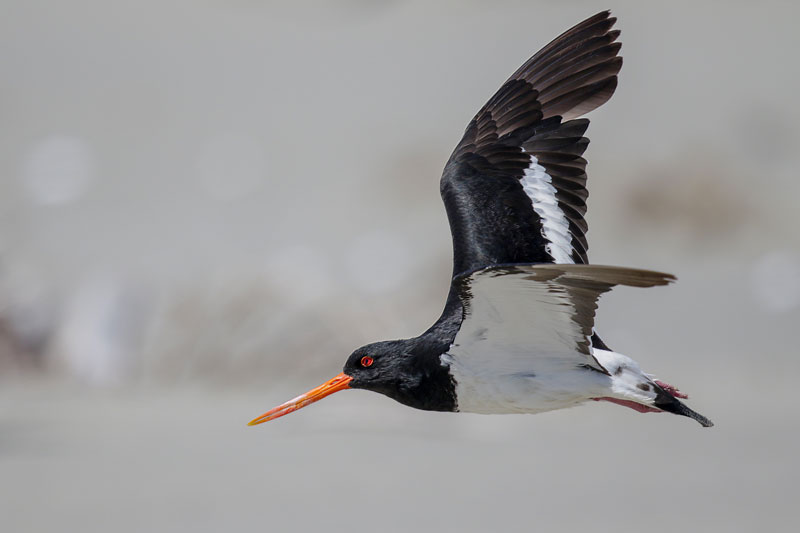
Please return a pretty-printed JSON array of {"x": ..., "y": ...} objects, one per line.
[{"x": 517, "y": 331}]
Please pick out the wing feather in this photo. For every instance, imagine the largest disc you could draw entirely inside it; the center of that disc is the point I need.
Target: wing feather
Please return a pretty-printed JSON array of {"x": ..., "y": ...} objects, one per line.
[{"x": 515, "y": 186}]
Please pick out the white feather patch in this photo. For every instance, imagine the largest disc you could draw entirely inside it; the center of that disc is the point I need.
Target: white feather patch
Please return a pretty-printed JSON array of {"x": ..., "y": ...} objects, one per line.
[
  {"x": 517, "y": 349},
  {"x": 626, "y": 377},
  {"x": 538, "y": 185}
]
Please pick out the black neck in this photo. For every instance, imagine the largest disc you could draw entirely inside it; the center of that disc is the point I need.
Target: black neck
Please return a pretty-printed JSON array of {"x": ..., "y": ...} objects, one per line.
[{"x": 436, "y": 388}]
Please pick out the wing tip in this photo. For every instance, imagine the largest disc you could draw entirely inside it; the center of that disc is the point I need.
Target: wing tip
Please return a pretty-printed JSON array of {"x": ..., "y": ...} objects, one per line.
[{"x": 577, "y": 45}]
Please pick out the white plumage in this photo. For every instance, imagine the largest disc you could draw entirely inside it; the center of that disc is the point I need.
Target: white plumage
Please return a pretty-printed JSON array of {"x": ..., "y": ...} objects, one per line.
[{"x": 524, "y": 344}]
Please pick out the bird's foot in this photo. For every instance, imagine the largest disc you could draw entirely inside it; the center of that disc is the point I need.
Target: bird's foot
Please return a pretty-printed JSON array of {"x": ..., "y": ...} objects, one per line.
[{"x": 672, "y": 390}]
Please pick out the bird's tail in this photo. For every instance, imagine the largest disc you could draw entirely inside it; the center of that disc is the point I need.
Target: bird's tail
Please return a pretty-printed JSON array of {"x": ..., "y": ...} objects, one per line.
[
  {"x": 667, "y": 401},
  {"x": 631, "y": 387}
]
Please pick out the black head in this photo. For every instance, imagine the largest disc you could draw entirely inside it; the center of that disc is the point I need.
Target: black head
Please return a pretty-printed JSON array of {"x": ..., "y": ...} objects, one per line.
[
  {"x": 381, "y": 366},
  {"x": 409, "y": 371}
]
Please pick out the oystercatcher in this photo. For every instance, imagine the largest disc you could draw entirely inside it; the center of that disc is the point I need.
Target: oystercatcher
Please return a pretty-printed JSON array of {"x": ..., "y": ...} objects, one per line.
[{"x": 517, "y": 331}]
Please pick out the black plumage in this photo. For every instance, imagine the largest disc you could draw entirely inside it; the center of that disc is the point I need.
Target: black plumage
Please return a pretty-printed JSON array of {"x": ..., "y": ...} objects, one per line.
[
  {"x": 513, "y": 188},
  {"x": 490, "y": 215}
]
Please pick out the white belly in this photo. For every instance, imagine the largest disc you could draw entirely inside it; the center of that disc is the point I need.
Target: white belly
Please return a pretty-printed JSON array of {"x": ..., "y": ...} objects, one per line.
[{"x": 545, "y": 384}]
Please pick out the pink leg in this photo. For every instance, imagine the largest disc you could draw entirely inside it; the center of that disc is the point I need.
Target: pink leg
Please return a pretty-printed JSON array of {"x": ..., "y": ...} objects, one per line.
[
  {"x": 627, "y": 403},
  {"x": 673, "y": 390}
]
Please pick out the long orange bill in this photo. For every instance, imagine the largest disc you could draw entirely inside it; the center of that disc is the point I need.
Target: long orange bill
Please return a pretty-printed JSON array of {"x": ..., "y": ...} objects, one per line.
[{"x": 340, "y": 382}]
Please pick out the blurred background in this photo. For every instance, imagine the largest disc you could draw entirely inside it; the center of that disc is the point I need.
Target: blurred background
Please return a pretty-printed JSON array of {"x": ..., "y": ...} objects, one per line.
[{"x": 205, "y": 206}]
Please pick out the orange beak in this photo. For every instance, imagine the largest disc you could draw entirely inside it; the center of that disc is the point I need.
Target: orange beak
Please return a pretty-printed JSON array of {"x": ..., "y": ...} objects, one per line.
[{"x": 340, "y": 382}]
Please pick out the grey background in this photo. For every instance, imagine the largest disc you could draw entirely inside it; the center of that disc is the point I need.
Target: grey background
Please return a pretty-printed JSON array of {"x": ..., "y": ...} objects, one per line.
[{"x": 206, "y": 205}]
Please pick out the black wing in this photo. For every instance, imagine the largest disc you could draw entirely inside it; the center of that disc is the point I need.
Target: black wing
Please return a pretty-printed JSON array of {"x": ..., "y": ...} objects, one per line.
[{"x": 515, "y": 186}]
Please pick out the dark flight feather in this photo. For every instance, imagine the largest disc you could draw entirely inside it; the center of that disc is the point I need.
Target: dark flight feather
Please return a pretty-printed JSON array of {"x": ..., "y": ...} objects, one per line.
[{"x": 531, "y": 115}]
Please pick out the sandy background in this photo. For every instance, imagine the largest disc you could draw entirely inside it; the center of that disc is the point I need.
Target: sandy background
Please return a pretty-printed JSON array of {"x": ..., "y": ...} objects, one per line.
[{"x": 205, "y": 206}]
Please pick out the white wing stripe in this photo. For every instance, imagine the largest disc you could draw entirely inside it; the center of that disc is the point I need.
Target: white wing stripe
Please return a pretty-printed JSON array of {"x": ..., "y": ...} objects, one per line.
[{"x": 538, "y": 185}]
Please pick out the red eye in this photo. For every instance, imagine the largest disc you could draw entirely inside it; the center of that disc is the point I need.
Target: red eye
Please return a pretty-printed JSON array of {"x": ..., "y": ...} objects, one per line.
[{"x": 366, "y": 361}]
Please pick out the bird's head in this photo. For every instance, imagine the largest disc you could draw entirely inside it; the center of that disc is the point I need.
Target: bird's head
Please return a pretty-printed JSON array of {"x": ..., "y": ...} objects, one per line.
[
  {"x": 387, "y": 367},
  {"x": 381, "y": 366}
]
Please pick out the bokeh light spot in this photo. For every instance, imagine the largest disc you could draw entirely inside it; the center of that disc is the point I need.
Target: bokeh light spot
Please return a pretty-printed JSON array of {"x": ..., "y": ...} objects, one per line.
[{"x": 58, "y": 170}]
